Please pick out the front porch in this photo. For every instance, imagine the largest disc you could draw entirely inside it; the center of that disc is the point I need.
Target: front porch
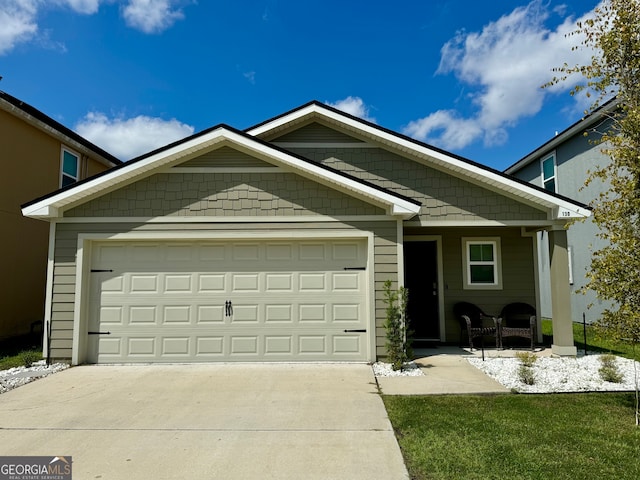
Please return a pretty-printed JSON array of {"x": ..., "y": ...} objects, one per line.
[{"x": 489, "y": 267}]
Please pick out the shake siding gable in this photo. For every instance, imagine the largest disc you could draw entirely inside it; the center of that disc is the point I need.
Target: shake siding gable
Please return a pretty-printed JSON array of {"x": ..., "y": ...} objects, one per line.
[
  {"x": 443, "y": 196},
  {"x": 316, "y": 133},
  {"x": 224, "y": 194}
]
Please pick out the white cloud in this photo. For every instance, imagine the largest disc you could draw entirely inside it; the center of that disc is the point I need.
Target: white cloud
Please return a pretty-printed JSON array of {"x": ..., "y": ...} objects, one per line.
[
  {"x": 17, "y": 23},
  {"x": 504, "y": 65},
  {"x": 19, "y": 18},
  {"x": 151, "y": 16},
  {"x": 87, "y": 7},
  {"x": 354, "y": 106},
  {"x": 128, "y": 138}
]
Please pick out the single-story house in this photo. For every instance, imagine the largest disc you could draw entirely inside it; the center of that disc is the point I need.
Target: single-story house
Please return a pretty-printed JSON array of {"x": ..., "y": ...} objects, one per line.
[{"x": 274, "y": 244}]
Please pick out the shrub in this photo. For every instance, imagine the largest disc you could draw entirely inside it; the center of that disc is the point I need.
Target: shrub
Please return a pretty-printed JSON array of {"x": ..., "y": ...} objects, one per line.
[
  {"x": 398, "y": 342},
  {"x": 525, "y": 372},
  {"x": 526, "y": 376},
  {"x": 526, "y": 358},
  {"x": 609, "y": 371},
  {"x": 29, "y": 357}
]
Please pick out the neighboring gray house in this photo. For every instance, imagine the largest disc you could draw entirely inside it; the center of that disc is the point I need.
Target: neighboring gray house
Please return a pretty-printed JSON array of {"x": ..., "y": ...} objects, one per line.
[
  {"x": 274, "y": 244},
  {"x": 561, "y": 166}
]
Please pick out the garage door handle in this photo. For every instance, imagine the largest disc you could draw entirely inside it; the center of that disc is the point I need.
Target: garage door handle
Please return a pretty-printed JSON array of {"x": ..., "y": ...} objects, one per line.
[
  {"x": 356, "y": 330},
  {"x": 228, "y": 308},
  {"x": 99, "y": 333}
]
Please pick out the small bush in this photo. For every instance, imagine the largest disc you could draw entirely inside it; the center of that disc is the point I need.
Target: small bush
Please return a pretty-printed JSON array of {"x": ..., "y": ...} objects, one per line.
[
  {"x": 526, "y": 358},
  {"x": 526, "y": 376},
  {"x": 29, "y": 357},
  {"x": 398, "y": 337},
  {"x": 609, "y": 371}
]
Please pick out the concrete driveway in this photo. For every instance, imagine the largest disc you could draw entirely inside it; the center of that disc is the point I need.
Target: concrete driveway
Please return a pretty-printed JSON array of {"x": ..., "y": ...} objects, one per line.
[{"x": 206, "y": 421}]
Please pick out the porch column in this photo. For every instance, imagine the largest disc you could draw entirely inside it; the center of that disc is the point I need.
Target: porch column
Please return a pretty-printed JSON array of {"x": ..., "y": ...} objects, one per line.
[{"x": 560, "y": 294}]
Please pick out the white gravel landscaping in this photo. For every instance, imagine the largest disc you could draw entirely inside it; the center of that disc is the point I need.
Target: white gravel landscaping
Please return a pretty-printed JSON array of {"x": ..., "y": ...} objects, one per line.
[
  {"x": 552, "y": 374},
  {"x": 15, "y": 377},
  {"x": 381, "y": 369}
]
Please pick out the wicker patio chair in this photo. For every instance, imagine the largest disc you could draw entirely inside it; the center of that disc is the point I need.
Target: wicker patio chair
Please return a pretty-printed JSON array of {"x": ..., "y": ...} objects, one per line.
[
  {"x": 471, "y": 318},
  {"x": 518, "y": 320}
]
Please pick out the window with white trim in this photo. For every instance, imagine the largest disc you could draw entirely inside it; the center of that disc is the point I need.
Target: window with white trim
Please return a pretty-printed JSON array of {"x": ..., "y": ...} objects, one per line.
[
  {"x": 70, "y": 167},
  {"x": 482, "y": 266},
  {"x": 549, "y": 173}
]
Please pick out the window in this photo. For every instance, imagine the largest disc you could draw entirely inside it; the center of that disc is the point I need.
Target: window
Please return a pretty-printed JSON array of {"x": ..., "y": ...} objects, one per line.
[
  {"x": 482, "y": 268},
  {"x": 549, "y": 173},
  {"x": 70, "y": 168}
]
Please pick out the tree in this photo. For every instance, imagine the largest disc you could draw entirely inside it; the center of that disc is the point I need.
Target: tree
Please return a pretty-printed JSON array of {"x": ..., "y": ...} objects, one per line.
[{"x": 614, "y": 36}]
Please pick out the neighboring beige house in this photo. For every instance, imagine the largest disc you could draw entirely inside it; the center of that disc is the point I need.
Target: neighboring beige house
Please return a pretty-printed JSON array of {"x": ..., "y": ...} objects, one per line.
[
  {"x": 273, "y": 244},
  {"x": 38, "y": 155}
]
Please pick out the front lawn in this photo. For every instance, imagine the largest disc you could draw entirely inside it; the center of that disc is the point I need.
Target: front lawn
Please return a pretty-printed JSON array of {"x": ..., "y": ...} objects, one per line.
[
  {"x": 595, "y": 343},
  {"x": 517, "y": 436}
]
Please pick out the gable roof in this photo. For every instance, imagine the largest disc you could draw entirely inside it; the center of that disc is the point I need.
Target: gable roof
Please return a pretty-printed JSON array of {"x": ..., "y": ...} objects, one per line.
[
  {"x": 43, "y": 122},
  {"x": 562, "y": 207},
  {"x": 52, "y": 205},
  {"x": 577, "y": 128}
]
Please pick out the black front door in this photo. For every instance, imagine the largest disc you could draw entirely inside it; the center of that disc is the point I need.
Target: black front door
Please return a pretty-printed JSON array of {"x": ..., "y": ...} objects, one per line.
[{"x": 421, "y": 280}]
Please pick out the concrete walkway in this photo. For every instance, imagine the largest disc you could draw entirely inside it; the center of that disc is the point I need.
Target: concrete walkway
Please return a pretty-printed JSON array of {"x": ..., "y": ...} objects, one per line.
[
  {"x": 283, "y": 421},
  {"x": 447, "y": 372}
]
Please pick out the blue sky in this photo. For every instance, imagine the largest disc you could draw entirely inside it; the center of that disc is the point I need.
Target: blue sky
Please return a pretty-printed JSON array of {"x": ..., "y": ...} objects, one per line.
[{"x": 132, "y": 75}]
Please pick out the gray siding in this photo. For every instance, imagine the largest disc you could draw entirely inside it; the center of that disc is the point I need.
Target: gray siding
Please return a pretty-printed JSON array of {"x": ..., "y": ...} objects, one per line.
[
  {"x": 575, "y": 158},
  {"x": 443, "y": 196},
  {"x": 66, "y": 242},
  {"x": 316, "y": 133},
  {"x": 224, "y": 157},
  {"x": 220, "y": 194},
  {"x": 518, "y": 284}
]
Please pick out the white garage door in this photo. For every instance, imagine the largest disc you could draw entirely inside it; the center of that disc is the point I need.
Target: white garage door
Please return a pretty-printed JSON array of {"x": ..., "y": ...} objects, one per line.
[{"x": 233, "y": 301}]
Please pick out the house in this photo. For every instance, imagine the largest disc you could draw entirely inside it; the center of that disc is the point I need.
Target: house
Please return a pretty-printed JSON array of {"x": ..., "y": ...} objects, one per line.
[
  {"x": 274, "y": 243},
  {"x": 38, "y": 155},
  {"x": 562, "y": 166}
]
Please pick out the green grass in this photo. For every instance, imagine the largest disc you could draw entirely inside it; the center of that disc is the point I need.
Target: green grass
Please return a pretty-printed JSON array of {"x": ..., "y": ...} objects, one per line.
[
  {"x": 595, "y": 343},
  {"x": 563, "y": 436},
  {"x": 14, "y": 351}
]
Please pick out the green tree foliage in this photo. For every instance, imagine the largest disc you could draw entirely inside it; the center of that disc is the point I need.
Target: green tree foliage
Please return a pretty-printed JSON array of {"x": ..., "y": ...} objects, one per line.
[
  {"x": 398, "y": 342},
  {"x": 613, "y": 34}
]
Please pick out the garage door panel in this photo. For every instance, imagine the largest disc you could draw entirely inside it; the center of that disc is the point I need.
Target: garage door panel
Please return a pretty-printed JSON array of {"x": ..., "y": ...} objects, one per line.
[
  {"x": 245, "y": 313},
  {"x": 313, "y": 345},
  {"x": 346, "y": 313},
  {"x": 143, "y": 314},
  {"x": 244, "y": 345},
  {"x": 210, "y": 314},
  {"x": 313, "y": 282},
  {"x": 245, "y": 282},
  {"x": 143, "y": 284},
  {"x": 141, "y": 346},
  {"x": 279, "y": 282},
  {"x": 209, "y": 347},
  {"x": 176, "y": 346},
  {"x": 167, "y": 302},
  {"x": 346, "y": 345},
  {"x": 278, "y": 313},
  {"x": 177, "y": 283},
  {"x": 112, "y": 315},
  {"x": 180, "y": 314},
  {"x": 346, "y": 281}
]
